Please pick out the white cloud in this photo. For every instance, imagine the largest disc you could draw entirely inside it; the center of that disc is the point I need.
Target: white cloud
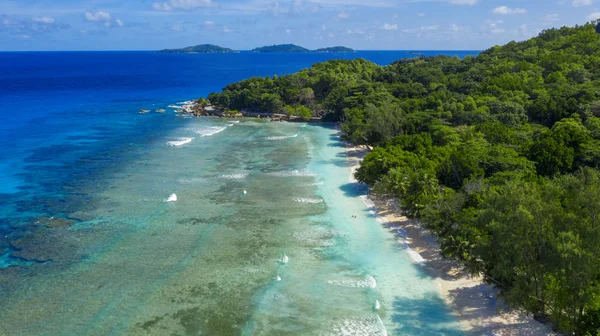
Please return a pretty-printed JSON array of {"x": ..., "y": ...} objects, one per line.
[
  {"x": 594, "y": 16},
  {"x": 45, "y": 19},
  {"x": 421, "y": 14},
  {"x": 455, "y": 28},
  {"x": 427, "y": 28},
  {"x": 463, "y": 2},
  {"x": 343, "y": 15},
  {"x": 579, "y": 3},
  {"x": 492, "y": 27},
  {"x": 503, "y": 10},
  {"x": 421, "y": 29},
  {"x": 551, "y": 18},
  {"x": 176, "y": 27},
  {"x": 161, "y": 6},
  {"x": 209, "y": 24},
  {"x": 182, "y": 4},
  {"x": 119, "y": 22},
  {"x": 227, "y": 30},
  {"x": 387, "y": 26},
  {"x": 97, "y": 17},
  {"x": 287, "y": 31}
]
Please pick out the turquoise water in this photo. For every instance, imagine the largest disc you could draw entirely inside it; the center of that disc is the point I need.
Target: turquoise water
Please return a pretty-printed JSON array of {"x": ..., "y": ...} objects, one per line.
[{"x": 284, "y": 258}]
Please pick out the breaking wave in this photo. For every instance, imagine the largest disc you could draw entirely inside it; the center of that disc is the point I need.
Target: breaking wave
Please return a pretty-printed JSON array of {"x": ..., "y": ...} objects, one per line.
[
  {"x": 179, "y": 142},
  {"x": 237, "y": 176},
  {"x": 210, "y": 131},
  {"x": 308, "y": 200},
  {"x": 282, "y": 137}
]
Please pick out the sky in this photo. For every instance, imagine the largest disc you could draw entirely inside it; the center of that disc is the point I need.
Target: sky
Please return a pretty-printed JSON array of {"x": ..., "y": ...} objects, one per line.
[{"x": 245, "y": 24}]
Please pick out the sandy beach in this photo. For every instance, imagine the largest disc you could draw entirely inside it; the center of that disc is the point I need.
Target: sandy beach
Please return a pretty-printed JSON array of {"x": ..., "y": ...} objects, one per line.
[{"x": 473, "y": 301}]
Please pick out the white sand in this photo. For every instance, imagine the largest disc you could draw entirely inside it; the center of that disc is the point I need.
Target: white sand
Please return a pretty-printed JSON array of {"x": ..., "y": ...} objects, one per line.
[{"x": 473, "y": 301}]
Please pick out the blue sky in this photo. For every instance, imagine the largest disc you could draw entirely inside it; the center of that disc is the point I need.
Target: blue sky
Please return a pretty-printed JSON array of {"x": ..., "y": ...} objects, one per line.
[{"x": 245, "y": 24}]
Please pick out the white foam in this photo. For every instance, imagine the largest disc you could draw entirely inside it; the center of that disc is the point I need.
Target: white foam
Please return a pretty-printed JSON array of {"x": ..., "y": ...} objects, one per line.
[
  {"x": 237, "y": 176},
  {"x": 367, "y": 201},
  {"x": 188, "y": 102},
  {"x": 180, "y": 142},
  {"x": 282, "y": 137},
  {"x": 278, "y": 278},
  {"x": 284, "y": 259},
  {"x": 381, "y": 326},
  {"x": 308, "y": 200},
  {"x": 210, "y": 131},
  {"x": 172, "y": 198},
  {"x": 414, "y": 255},
  {"x": 291, "y": 173},
  {"x": 369, "y": 326},
  {"x": 245, "y": 192},
  {"x": 175, "y": 106},
  {"x": 234, "y": 121},
  {"x": 312, "y": 184},
  {"x": 367, "y": 282},
  {"x": 377, "y": 305}
]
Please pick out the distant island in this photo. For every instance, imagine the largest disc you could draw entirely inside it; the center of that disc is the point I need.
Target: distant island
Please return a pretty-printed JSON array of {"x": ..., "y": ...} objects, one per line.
[
  {"x": 281, "y": 48},
  {"x": 200, "y": 49},
  {"x": 292, "y": 48},
  {"x": 337, "y": 49}
]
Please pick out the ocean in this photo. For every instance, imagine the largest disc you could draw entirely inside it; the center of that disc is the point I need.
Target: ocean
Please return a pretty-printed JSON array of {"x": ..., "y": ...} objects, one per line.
[{"x": 261, "y": 241}]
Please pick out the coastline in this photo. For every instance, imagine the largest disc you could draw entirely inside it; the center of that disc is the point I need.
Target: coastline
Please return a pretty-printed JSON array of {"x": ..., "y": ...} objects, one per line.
[{"x": 474, "y": 303}]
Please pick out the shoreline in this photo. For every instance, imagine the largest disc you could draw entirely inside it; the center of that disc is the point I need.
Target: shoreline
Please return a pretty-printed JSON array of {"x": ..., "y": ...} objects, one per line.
[{"x": 474, "y": 303}]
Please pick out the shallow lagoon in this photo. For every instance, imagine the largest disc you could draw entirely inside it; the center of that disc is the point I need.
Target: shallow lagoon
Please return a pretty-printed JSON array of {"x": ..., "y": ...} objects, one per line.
[{"x": 213, "y": 262}]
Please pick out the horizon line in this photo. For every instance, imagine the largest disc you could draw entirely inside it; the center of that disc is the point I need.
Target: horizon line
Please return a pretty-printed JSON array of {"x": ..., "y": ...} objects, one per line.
[{"x": 244, "y": 50}]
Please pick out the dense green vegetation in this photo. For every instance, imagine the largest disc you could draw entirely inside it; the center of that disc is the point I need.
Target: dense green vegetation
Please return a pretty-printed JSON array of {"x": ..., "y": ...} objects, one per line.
[
  {"x": 201, "y": 49},
  {"x": 498, "y": 155},
  {"x": 288, "y": 48}
]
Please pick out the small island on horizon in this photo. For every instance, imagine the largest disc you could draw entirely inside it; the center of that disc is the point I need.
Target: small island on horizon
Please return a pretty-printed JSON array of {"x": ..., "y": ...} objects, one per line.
[
  {"x": 200, "y": 49},
  {"x": 292, "y": 48}
]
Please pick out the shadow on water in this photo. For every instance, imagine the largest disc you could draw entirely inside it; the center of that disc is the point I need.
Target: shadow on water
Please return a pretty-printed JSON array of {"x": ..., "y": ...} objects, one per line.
[
  {"x": 337, "y": 143},
  {"x": 354, "y": 189},
  {"x": 337, "y": 162},
  {"x": 424, "y": 317}
]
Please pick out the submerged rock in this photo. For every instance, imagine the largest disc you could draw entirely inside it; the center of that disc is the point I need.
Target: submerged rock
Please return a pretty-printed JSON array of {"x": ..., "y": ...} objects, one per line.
[{"x": 53, "y": 222}]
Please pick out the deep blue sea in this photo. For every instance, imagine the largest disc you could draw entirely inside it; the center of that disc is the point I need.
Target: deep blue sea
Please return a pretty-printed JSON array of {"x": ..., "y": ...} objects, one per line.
[{"x": 83, "y": 176}]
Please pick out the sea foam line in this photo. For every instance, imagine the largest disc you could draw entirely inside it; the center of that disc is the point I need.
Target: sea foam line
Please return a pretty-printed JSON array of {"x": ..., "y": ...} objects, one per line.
[
  {"x": 210, "y": 131},
  {"x": 308, "y": 200},
  {"x": 367, "y": 282},
  {"x": 414, "y": 255},
  {"x": 283, "y": 137},
  {"x": 291, "y": 173},
  {"x": 179, "y": 142},
  {"x": 237, "y": 176}
]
